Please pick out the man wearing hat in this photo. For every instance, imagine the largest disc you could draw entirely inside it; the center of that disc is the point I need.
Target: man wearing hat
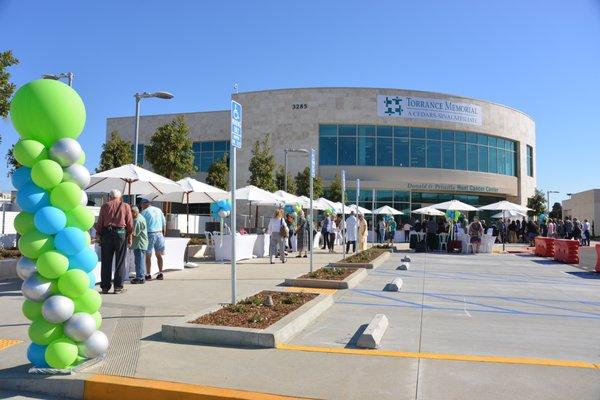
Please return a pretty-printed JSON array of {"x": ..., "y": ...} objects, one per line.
[{"x": 156, "y": 225}]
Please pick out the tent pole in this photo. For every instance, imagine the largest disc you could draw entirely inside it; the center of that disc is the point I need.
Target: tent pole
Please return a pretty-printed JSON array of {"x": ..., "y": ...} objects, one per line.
[{"x": 188, "y": 212}]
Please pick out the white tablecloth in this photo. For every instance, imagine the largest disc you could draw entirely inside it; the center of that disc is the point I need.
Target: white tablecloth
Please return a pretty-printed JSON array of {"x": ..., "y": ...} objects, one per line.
[
  {"x": 173, "y": 259},
  {"x": 244, "y": 247},
  {"x": 261, "y": 246}
]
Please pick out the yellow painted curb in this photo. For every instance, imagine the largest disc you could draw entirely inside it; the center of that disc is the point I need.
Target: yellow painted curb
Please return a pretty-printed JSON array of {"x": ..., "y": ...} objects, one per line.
[
  {"x": 101, "y": 387},
  {"x": 441, "y": 356},
  {"x": 300, "y": 289},
  {"x": 5, "y": 343}
]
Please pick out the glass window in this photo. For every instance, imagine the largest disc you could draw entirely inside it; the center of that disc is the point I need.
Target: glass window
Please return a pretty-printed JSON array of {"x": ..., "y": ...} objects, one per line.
[
  {"x": 415, "y": 197},
  {"x": 434, "y": 154},
  {"x": 460, "y": 136},
  {"x": 472, "y": 155},
  {"x": 401, "y": 196},
  {"x": 501, "y": 162},
  {"x": 429, "y": 198},
  {"x": 221, "y": 145},
  {"x": 509, "y": 162},
  {"x": 347, "y": 150},
  {"x": 508, "y": 145},
  {"x": 417, "y": 133},
  {"x": 206, "y": 160},
  {"x": 445, "y": 197},
  {"x": 483, "y": 159},
  {"x": 529, "y": 160},
  {"x": 461, "y": 156},
  {"x": 448, "y": 135},
  {"x": 493, "y": 160},
  {"x": 197, "y": 161},
  {"x": 493, "y": 141},
  {"x": 384, "y": 131},
  {"x": 327, "y": 151},
  {"x": 435, "y": 134},
  {"x": 448, "y": 155},
  {"x": 417, "y": 153},
  {"x": 401, "y": 152},
  {"x": 327, "y": 130},
  {"x": 385, "y": 196},
  {"x": 347, "y": 130},
  {"x": 218, "y": 155},
  {"x": 384, "y": 151},
  {"x": 471, "y": 137},
  {"x": 482, "y": 139},
  {"x": 366, "y": 150},
  {"x": 207, "y": 146},
  {"x": 366, "y": 130},
  {"x": 196, "y": 146},
  {"x": 401, "y": 131},
  {"x": 500, "y": 143}
]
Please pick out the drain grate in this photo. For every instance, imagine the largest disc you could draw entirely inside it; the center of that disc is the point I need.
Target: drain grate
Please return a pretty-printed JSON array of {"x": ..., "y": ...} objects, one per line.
[{"x": 123, "y": 351}]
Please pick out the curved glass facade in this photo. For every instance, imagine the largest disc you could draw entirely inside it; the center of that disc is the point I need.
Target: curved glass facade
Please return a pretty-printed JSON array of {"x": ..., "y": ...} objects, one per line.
[{"x": 403, "y": 146}]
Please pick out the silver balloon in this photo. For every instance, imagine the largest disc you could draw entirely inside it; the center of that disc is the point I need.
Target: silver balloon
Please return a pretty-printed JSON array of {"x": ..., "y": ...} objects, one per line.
[
  {"x": 77, "y": 174},
  {"x": 25, "y": 267},
  {"x": 94, "y": 346},
  {"x": 80, "y": 326},
  {"x": 36, "y": 288},
  {"x": 84, "y": 198},
  {"x": 66, "y": 151},
  {"x": 57, "y": 309}
]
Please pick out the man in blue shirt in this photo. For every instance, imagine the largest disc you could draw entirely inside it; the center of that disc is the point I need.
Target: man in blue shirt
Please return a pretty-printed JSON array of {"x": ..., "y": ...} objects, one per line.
[{"x": 156, "y": 225}]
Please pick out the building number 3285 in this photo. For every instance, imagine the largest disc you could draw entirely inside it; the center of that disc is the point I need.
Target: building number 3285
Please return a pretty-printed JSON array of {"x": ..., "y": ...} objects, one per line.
[{"x": 299, "y": 106}]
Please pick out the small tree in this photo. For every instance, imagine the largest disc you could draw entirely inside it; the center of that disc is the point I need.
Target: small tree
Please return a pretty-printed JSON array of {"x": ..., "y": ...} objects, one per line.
[
  {"x": 115, "y": 152},
  {"x": 262, "y": 166},
  {"x": 303, "y": 184},
  {"x": 6, "y": 87},
  {"x": 218, "y": 173},
  {"x": 537, "y": 203},
  {"x": 170, "y": 150},
  {"x": 335, "y": 190},
  {"x": 280, "y": 181},
  {"x": 557, "y": 211},
  {"x": 11, "y": 161}
]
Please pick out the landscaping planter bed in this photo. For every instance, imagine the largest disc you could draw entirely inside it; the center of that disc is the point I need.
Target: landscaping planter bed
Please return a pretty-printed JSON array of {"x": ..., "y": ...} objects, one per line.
[
  {"x": 8, "y": 263},
  {"x": 329, "y": 278},
  {"x": 248, "y": 323},
  {"x": 369, "y": 259}
]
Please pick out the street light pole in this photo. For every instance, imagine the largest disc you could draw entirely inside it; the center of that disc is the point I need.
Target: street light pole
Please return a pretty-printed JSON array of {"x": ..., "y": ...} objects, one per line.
[
  {"x": 56, "y": 77},
  {"x": 138, "y": 97}
]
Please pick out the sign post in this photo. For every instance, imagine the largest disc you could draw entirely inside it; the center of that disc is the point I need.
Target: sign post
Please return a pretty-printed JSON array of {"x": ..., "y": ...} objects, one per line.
[
  {"x": 313, "y": 164},
  {"x": 374, "y": 219},
  {"x": 236, "y": 143},
  {"x": 343, "y": 224},
  {"x": 357, "y": 193}
]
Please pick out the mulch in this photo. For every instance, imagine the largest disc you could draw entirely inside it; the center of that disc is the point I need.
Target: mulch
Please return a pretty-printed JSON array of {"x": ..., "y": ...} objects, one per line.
[
  {"x": 251, "y": 313},
  {"x": 365, "y": 256},
  {"x": 329, "y": 274}
]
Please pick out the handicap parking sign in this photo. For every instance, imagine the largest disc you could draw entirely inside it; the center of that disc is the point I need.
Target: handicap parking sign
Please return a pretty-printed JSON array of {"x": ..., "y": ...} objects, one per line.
[{"x": 236, "y": 124}]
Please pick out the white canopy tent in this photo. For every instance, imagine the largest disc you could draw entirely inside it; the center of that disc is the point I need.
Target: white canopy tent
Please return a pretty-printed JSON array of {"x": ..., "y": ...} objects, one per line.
[
  {"x": 359, "y": 210},
  {"x": 387, "y": 210},
  {"x": 509, "y": 214},
  {"x": 505, "y": 206},
  {"x": 131, "y": 180},
  {"x": 325, "y": 204},
  {"x": 288, "y": 198},
  {"x": 258, "y": 197},
  {"x": 454, "y": 205},
  {"x": 428, "y": 211}
]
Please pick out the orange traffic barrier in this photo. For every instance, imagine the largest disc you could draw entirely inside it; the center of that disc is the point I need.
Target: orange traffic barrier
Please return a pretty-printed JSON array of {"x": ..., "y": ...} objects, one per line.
[
  {"x": 566, "y": 251},
  {"x": 544, "y": 246}
]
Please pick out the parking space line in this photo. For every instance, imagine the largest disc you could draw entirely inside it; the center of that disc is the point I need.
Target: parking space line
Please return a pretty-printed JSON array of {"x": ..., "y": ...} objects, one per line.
[
  {"x": 441, "y": 356},
  {"x": 6, "y": 343}
]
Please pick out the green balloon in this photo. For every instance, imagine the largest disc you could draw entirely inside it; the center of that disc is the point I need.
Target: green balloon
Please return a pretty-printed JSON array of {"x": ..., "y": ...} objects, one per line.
[
  {"x": 32, "y": 310},
  {"x": 47, "y": 110},
  {"x": 34, "y": 243},
  {"x": 46, "y": 174},
  {"x": 66, "y": 196},
  {"x": 43, "y": 332},
  {"x": 81, "y": 159},
  {"x": 88, "y": 237},
  {"x": 80, "y": 217},
  {"x": 24, "y": 223},
  {"x": 52, "y": 264},
  {"x": 98, "y": 318},
  {"x": 28, "y": 152},
  {"x": 73, "y": 283},
  {"x": 61, "y": 353},
  {"x": 89, "y": 302}
]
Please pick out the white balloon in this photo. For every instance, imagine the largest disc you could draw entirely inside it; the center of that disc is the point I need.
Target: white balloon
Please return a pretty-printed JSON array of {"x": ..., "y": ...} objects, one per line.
[
  {"x": 94, "y": 346},
  {"x": 57, "y": 309},
  {"x": 80, "y": 326},
  {"x": 77, "y": 174},
  {"x": 25, "y": 267},
  {"x": 84, "y": 198},
  {"x": 36, "y": 288},
  {"x": 223, "y": 213},
  {"x": 66, "y": 151}
]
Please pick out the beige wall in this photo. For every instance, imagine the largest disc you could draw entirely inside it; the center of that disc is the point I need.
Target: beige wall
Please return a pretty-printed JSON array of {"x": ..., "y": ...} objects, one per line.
[
  {"x": 583, "y": 205},
  {"x": 270, "y": 112}
]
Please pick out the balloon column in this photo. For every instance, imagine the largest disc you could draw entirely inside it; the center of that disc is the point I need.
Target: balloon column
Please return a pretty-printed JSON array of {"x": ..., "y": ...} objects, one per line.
[
  {"x": 220, "y": 209},
  {"x": 56, "y": 263}
]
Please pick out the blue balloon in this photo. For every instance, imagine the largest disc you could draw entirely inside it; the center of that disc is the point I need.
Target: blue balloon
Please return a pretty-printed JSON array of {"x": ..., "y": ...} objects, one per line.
[
  {"x": 70, "y": 241},
  {"x": 288, "y": 209},
  {"x": 36, "y": 354},
  {"x": 32, "y": 197},
  {"x": 92, "y": 278},
  {"x": 49, "y": 220},
  {"x": 227, "y": 205},
  {"x": 86, "y": 260},
  {"x": 21, "y": 177}
]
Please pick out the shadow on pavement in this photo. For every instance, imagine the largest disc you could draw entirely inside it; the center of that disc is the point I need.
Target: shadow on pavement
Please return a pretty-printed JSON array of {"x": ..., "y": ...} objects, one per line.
[
  {"x": 585, "y": 274},
  {"x": 352, "y": 342}
]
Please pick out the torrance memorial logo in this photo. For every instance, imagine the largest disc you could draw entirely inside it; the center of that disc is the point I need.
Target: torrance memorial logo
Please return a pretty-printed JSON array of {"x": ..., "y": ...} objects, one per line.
[{"x": 393, "y": 106}]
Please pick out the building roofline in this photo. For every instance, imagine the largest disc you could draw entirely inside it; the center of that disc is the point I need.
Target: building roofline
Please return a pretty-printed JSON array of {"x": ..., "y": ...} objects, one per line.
[{"x": 177, "y": 113}]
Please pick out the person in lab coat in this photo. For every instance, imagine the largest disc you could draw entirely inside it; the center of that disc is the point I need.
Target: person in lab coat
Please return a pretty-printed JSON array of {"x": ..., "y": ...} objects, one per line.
[
  {"x": 363, "y": 231},
  {"x": 351, "y": 232}
]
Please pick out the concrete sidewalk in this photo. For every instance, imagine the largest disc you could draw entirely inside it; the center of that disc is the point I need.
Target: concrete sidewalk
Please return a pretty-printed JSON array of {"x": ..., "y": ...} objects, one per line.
[{"x": 521, "y": 312}]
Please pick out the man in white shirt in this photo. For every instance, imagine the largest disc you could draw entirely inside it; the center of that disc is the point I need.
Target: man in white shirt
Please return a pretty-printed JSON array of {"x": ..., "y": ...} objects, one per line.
[
  {"x": 351, "y": 232},
  {"x": 586, "y": 232},
  {"x": 407, "y": 228}
]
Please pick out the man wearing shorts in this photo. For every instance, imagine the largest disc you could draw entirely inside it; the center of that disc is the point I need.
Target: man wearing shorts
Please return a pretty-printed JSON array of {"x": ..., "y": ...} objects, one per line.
[{"x": 156, "y": 225}]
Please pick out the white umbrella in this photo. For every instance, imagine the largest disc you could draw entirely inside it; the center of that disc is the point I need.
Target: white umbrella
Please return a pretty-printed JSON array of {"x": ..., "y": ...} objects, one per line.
[
  {"x": 288, "y": 198},
  {"x": 337, "y": 208},
  {"x": 387, "y": 210},
  {"x": 509, "y": 214},
  {"x": 454, "y": 205},
  {"x": 305, "y": 201},
  {"x": 361, "y": 210},
  {"x": 428, "y": 211},
  {"x": 321, "y": 204},
  {"x": 257, "y": 195},
  {"x": 505, "y": 206},
  {"x": 131, "y": 179},
  {"x": 191, "y": 191}
]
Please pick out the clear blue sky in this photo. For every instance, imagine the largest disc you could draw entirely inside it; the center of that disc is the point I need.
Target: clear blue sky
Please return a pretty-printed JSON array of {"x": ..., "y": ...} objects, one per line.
[{"x": 542, "y": 57}]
